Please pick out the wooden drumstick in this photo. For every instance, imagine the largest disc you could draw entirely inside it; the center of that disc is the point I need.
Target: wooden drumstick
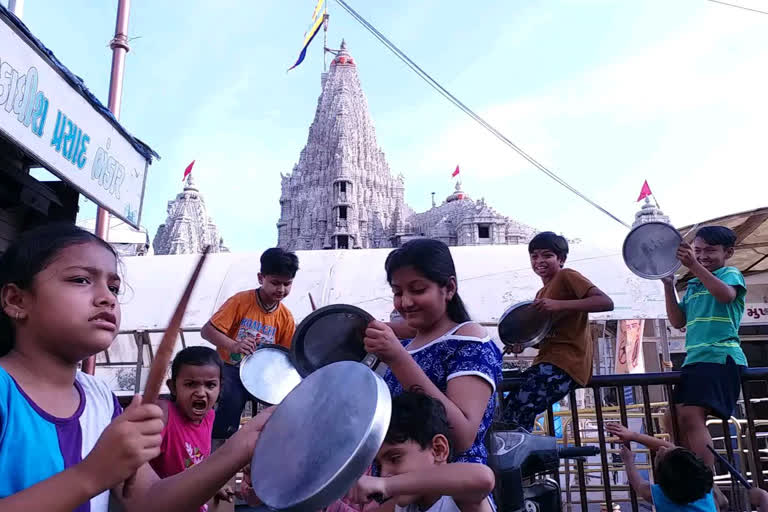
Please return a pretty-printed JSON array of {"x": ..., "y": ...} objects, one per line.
[
  {"x": 159, "y": 366},
  {"x": 312, "y": 301}
]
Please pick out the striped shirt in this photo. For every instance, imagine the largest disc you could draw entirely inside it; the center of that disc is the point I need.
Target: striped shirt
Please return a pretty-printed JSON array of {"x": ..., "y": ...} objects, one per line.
[
  {"x": 712, "y": 328},
  {"x": 35, "y": 446}
]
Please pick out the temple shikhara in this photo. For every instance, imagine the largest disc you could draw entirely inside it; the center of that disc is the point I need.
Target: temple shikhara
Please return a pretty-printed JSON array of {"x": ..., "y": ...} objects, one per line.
[
  {"x": 188, "y": 228},
  {"x": 342, "y": 195}
]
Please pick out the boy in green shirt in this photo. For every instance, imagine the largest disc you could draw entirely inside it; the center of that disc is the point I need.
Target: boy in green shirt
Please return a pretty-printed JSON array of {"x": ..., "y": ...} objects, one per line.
[{"x": 711, "y": 312}]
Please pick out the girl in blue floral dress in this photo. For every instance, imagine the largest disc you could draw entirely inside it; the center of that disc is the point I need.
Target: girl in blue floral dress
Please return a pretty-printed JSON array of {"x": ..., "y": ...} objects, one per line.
[{"x": 450, "y": 358}]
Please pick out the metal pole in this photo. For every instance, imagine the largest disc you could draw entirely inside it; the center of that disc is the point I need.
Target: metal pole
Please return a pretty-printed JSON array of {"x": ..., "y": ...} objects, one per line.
[
  {"x": 661, "y": 325},
  {"x": 16, "y": 7},
  {"x": 120, "y": 48}
]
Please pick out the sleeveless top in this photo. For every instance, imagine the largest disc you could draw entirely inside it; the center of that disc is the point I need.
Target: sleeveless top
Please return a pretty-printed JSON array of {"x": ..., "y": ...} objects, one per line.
[{"x": 451, "y": 356}]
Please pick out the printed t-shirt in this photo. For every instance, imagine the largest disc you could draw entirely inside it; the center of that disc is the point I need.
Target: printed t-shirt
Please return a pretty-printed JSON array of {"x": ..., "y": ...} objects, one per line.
[
  {"x": 451, "y": 356},
  {"x": 185, "y": 443},
  {"x": 569, "y": 344},
  {"x": 712, "y": 328},
  {"x": 242, "y": 315},
  {"x": 35, "y": 445}
]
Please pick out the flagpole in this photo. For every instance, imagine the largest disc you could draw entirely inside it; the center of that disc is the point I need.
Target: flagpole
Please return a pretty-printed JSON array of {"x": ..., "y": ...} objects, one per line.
[{"x": 325, "y": 38}]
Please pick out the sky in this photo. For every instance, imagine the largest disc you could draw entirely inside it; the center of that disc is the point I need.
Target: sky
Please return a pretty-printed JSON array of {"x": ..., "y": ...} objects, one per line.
[{"x": 606, "y": 93}]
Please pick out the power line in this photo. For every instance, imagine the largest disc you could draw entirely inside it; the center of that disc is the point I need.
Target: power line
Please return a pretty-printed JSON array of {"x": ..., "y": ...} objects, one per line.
[
  {"x": 738, "y": 6},
  {"x": 461, "y": 106}
]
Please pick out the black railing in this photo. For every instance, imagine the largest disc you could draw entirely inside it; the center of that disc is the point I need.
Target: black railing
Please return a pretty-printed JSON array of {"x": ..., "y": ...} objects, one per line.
[{"x": 746, "y": 434}]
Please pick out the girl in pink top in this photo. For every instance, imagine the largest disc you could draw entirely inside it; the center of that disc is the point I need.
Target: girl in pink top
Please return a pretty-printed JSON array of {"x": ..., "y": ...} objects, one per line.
[{"x": 195, "y": 384}]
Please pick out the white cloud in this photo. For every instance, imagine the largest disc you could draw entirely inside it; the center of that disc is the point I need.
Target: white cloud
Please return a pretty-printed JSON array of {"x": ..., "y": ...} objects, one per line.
[{"x": 687, "y": 113}]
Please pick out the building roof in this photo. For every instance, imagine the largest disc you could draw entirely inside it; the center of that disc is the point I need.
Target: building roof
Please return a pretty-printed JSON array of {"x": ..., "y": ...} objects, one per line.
[
  {"x": 77, "y": 84},
  {"x": 751, "y": 251}
]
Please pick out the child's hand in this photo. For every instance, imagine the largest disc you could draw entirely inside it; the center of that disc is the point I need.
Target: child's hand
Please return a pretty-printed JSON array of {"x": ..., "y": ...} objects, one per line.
[
  {"x": 686, "y": 255},
  {"x": 516, "y": 348},
  {"x": 367, "y": 489},
  {"x": 132, "y": 439},
  {"x": 225, "y": 494},
  {"x": 670, "y": 280},
  {"x": 758, "y": 497},
  {"x": 245, "y": 346},
  {"x": 245, "y": 438},
  {"x": 620, "y": 431},
  {"x": 627, "y": 455},
  {"x": 381, "y": 341},
  {"x": 549, "y": 305},
  {"x": 245, "y": 492}
]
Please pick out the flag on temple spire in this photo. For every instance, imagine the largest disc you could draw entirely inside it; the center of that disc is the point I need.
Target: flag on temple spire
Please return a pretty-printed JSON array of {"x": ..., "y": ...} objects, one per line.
[
  {"x": 456, "y": 172},
  {"x": 318, "y": 16},
  {"x": 645, "y": 191},
  {"x": 188, "y": 170}
]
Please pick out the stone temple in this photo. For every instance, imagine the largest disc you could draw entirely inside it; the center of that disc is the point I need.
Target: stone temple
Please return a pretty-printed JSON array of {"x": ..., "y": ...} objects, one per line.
[
  {"x": 342, "y": 195},
  {"x": 188, "y": 228}
]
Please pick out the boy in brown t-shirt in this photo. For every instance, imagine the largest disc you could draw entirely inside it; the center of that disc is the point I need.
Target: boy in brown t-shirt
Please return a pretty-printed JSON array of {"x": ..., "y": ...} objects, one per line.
[
  {"x": 565, "y": 355},
  {"x": 245, "y": 321}
]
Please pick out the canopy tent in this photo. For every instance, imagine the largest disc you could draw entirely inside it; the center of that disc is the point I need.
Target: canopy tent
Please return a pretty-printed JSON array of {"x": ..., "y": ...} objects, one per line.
[{"x": 491, "y": 278}]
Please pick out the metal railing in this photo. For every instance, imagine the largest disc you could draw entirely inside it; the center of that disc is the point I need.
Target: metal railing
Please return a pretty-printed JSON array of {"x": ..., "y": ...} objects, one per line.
[{"x": 752, "y": 460}]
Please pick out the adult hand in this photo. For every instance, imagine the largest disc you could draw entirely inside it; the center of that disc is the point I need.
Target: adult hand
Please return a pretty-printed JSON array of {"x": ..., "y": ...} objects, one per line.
[
  {"x": 669, "y": 280},
  {"x": 381, "y": 341}
]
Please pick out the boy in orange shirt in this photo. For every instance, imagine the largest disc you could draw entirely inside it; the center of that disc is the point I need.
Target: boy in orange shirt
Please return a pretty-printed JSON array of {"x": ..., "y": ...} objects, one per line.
[{"x": 245, "y": 321}]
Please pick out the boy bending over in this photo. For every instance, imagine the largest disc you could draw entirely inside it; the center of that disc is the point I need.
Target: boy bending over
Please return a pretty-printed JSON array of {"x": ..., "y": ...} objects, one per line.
[
  {"x": 415, "y": 472},
  {"x": 685, "y": 482}
]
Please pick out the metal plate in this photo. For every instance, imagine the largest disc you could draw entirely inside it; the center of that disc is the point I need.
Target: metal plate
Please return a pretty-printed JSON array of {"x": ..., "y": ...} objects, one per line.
[
  {"x": 322, "y": 438},
  {"x": 650, "y": 250},
  {"x": 328, "y": 335},
  {"x": 521, "y": 324},
  {"x": 268, "y": 374}
]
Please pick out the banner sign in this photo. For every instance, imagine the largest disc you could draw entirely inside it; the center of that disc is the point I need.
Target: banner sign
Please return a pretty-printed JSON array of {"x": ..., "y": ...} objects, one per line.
[
  {"x": 629, "y": 347},
  {"x": 41, "y": 112}
]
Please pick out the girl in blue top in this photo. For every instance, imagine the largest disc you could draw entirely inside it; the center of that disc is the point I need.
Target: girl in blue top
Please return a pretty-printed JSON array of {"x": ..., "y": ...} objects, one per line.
[
  {"x": 65, "y": 443},
  {"x": 450, "y": 358}
]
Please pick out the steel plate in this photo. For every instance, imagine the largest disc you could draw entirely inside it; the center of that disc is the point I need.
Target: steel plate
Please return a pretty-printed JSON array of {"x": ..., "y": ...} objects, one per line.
[
  {"x": 322, "y": 438},
  {"x": 331, "y": 334},
  {"x": 521, "y": 324},
  {"x": 650, "y": 250},
  {"x": 269, "y": 374}
]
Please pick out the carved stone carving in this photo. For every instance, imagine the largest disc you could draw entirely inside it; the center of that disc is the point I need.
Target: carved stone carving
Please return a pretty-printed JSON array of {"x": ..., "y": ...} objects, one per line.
[{"x": 342, "y": 195}]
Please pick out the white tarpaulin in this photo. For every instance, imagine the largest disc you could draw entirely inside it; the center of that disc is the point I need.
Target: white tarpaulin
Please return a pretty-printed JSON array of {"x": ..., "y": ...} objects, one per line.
[{"x": 491, "y": 278}]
